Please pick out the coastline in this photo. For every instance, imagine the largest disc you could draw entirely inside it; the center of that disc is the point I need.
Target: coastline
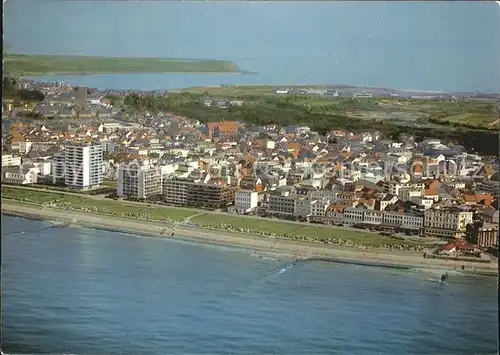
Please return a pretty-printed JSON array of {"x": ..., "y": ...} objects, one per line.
[
  {"x": 26, "y": 65},
  {"x": 30, "y": 75},
  {"x": 280, "y": 246}
]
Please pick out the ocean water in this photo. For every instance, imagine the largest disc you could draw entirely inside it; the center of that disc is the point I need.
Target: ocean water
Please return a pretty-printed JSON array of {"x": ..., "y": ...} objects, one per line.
[
  {"x": 84, "y": 291},
  {"x": 431, "y": 45}
]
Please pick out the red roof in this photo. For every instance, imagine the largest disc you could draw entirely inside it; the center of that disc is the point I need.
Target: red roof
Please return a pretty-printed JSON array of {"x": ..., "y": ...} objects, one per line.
[{"x": 448, "y": 246}]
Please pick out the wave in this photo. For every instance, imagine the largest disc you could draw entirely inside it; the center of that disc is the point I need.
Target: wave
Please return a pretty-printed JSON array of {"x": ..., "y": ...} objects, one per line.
[
  {"x": 264, "y": 256},
  {"x": 54, "y": 224},
  {"x": 437, "y": 272},
  {"x": 436, "y": 281}
]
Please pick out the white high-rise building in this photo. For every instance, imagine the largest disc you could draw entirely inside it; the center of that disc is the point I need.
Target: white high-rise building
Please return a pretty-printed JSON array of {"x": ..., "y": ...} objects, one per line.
[
  {"x": 139, "y": 182},
  {"x": 58, "y": 168},
  {"x": 83, "y": 165}
]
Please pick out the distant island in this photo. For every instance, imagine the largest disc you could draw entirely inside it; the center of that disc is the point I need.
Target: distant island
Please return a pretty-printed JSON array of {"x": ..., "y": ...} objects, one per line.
[{"x": 31, "y": 65}]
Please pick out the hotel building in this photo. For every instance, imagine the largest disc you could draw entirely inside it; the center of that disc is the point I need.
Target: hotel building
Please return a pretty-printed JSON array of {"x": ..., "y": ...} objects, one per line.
[
  {"x": 448, "y": 222},
  {"x": 139, "y": 182}
]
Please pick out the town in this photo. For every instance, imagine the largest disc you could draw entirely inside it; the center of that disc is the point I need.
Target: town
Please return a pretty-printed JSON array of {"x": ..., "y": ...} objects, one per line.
[{"x": 361, "y": 180}]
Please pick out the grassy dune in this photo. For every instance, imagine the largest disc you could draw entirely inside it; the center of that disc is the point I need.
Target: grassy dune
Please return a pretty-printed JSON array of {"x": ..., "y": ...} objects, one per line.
[
  {"x": 478, "y": 119},
  {"x": 20, "y": 64}
]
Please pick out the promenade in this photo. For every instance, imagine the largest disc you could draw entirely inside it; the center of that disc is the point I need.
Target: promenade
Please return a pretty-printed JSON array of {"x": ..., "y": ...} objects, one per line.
[{"x": 283, "y": 247}]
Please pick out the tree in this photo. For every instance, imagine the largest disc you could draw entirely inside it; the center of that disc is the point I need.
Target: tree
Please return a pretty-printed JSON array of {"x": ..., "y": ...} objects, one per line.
[
  {"x": 9, "y": 87},
  {"x": 113, "y": 99},
  {"x": 10, "y": 91},
  {"x": 31, "y": 95}
]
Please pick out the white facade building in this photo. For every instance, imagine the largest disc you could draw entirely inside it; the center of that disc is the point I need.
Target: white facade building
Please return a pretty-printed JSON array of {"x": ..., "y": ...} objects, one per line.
[
  {"x": 246, "y": 200},
  {"x": 22, "y": 146},
  {"x": 318, "y": 208},
  {"x": 83, "y": 165},
  {"x": 58, "y": 168},
  {"x": 393, "y": 218},
  {"x": 411, "y": 221},
  {"x": 446, "y": 222},
  {"x": 44, "y": 166},
  {"x": 20, "y": 175},
  {"x": 10, "y": 160},
  {"x": 373, "y": 217},
  {"x": 426, "y": 203},
  {"x": 353, "y": 215}
]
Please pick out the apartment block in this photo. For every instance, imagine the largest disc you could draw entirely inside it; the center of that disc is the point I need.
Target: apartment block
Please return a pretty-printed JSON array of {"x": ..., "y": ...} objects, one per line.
[
  {"x": 175, "y": 191},
  {"x": 201, "y": 195},
  {"x": 484, "y": 235},
  {"x": 446, "y": 222},
  {"x": 10, "y": 160},
  {"x": 83, "y": 165},
  {"x": 281, "y": 203},
  {"x": 58, "y": 168},
  {"x": 139, "y": 182}
]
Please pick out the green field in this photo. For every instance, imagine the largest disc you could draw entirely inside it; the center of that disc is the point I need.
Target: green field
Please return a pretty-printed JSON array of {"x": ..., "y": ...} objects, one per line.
[
  {"x": 264, "y": 225},
  {"x": 230, "y": 91},
  {"x": 104, "y": 206},
  {"x": 268, "y": 226},
  {"x": 298, "y": 231},
  {"x": 20, "y": 64},
  {"x": 477, "y": 119}
]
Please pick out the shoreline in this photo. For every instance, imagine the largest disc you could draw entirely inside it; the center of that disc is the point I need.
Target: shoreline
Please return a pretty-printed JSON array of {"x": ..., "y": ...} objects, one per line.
[
  {"x": 280, "y": 246},
  {"x": 26, "y": 65},
  {"x": 130, "y": 73}
]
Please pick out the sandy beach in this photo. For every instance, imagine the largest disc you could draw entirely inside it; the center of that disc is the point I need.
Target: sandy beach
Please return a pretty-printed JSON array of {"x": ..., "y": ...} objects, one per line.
[{"x": 283, "y": 247}]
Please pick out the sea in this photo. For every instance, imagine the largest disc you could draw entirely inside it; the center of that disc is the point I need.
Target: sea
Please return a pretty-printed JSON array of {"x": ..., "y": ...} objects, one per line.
[
  {"x": 408, "y": 45},
  {"x": 84, "y": 291},
  {"x": 73, "y": 290}
]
